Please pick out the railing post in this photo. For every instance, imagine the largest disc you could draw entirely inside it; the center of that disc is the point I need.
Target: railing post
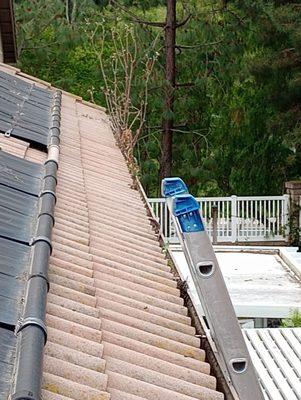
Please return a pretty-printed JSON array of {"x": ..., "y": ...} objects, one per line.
[
  {"x": 293, "y": 189},
  {"x": 234, "y": 219},
  {"x": 286, "y": 216},
  {"x": 214, "y": 217},
  {"x": 299, "y": 238}
]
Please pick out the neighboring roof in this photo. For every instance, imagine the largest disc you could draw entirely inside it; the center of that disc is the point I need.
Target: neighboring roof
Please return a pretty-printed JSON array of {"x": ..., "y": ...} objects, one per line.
[
  {"x": 276, "y": 354},
  {"x": 117, "y": 326},
  {"x": 261, "y": 283},
  {"x": 8, "y": 34}
]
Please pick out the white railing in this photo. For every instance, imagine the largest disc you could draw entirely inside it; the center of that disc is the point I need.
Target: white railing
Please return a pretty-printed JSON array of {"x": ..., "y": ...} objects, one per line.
[{"x": 239, "y": 218}]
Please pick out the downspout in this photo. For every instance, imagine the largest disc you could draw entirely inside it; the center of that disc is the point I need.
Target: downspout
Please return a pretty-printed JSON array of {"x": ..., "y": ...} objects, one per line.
[{"x": 31, "y": 331}]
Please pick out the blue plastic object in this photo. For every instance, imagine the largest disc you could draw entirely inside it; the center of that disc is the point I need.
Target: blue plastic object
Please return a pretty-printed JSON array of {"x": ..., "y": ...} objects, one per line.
[
  {"x": 186, "y": 209},
  {"x": 172, "y": 187}
]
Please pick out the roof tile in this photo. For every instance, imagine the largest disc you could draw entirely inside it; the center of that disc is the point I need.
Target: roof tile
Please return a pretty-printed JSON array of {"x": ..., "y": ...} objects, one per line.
[
  {"x": 151, "y": 391},
  {"x": 71, "y": 389},
  {"x": 75, "y": 357}
]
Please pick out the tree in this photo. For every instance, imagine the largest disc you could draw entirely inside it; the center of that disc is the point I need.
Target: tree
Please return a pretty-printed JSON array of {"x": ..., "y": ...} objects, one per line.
[
  {"x": 233, "y": 106},
  {"x": 170, "y": 76},
  {"x": 256, "y": 129},
  {"x": 170, "y": 26}
]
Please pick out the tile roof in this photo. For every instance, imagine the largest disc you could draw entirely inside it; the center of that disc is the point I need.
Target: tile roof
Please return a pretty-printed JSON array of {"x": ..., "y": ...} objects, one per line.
[{"x": 117, "y": 326}]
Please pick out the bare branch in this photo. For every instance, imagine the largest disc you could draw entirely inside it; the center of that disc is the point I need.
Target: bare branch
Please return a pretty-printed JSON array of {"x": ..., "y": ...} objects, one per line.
[
  {"x": 201, "y": 136},
  {"x": 184, "y": 22},
  {"x": 125, "y": 115},
  {"x": 187, "y": 84},
  {"x": 196, "y": 46},
  {"x": 235, "y": 15}
]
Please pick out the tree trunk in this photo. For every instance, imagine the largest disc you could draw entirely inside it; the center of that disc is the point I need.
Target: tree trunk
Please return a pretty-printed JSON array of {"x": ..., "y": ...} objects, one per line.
[
  {"x": 170, "y": 76},
  {"x": 70, "y": 6}
]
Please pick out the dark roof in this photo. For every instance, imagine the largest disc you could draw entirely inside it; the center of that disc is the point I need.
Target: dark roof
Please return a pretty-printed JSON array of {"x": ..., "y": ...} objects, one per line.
[
  {"x": 8, "y": 34},
  {"x": 24, "y": 109}
]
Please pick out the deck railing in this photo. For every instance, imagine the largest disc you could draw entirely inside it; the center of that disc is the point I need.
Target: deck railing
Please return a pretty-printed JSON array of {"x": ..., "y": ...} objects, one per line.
[{"x": 239, "y": 218}]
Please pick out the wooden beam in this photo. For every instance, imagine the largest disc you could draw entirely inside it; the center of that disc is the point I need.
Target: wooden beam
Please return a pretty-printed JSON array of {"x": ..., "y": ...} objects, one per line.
[{"x": 8, "y": 34}]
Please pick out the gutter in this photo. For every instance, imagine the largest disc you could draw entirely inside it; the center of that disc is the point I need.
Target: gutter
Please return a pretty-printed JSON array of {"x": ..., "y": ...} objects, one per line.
[{"x": 31, "y": 331}]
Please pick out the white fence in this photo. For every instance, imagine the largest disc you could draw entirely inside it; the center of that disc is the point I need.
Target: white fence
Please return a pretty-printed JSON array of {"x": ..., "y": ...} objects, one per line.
[{"x": 240, "y": 219}]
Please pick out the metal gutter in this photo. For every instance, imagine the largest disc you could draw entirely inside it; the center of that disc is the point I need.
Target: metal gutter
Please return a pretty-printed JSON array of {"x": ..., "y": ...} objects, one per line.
[{"x": 31, "y": 331}]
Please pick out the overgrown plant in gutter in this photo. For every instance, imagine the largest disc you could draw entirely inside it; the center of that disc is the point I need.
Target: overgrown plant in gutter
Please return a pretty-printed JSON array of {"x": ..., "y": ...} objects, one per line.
[{"x": 127, "y": 111}]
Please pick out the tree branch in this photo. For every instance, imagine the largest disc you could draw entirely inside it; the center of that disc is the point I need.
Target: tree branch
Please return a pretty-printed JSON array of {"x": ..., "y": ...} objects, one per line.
[
  {"x": 195, "y": 46},
  {"x": 184, "y": 22},
  {"x": 137, "y": 19},
  {"x": 235, "y": 15},
  {"x": 187, "y": 84}
]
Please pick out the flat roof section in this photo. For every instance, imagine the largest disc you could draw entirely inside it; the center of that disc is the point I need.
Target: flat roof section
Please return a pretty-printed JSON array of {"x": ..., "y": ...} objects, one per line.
[{"x": 261, "y": 284}]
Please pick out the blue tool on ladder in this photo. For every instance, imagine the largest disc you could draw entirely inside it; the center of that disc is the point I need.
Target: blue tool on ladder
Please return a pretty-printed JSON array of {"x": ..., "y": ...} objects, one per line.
[{"x": 212, "y": 291}]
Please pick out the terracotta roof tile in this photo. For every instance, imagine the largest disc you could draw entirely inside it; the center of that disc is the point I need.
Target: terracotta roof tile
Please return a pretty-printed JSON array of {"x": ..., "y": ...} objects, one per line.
[
  {"x": 147, "y": 390},
  {"x": 70, "y": 388},
  {"x": 13, "y": 146},
  {"x": 106, "y": 256},
  {"x": 53, "y": 396}
]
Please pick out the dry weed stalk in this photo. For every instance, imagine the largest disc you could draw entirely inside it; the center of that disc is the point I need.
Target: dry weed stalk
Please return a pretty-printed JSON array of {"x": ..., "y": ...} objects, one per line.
[{"x": 127, "y": 118}]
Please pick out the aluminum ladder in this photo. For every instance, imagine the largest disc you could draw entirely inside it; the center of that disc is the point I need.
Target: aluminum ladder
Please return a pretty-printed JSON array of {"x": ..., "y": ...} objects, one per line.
[{"x": 224, "y": 328}]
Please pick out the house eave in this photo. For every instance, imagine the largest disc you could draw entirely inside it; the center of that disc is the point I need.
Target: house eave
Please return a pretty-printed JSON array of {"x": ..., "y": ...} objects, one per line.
[{"x": 8, "y": 31}]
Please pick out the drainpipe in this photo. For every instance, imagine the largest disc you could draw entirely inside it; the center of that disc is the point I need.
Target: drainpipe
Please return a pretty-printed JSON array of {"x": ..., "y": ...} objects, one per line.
[{"x": 31, "y": 331}]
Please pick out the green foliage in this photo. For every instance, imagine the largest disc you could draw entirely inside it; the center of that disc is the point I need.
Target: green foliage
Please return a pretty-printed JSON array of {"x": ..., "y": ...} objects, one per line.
[
  {"x": 57, "y": 51},
  {"x": 143, "y": 4},
  {"x": 293, "y": 321},
  {"x": 237, "y": 121}
]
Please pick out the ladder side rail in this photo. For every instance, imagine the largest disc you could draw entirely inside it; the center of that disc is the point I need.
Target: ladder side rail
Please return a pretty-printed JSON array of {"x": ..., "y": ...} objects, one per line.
[{"x": 217, "y": 306}]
